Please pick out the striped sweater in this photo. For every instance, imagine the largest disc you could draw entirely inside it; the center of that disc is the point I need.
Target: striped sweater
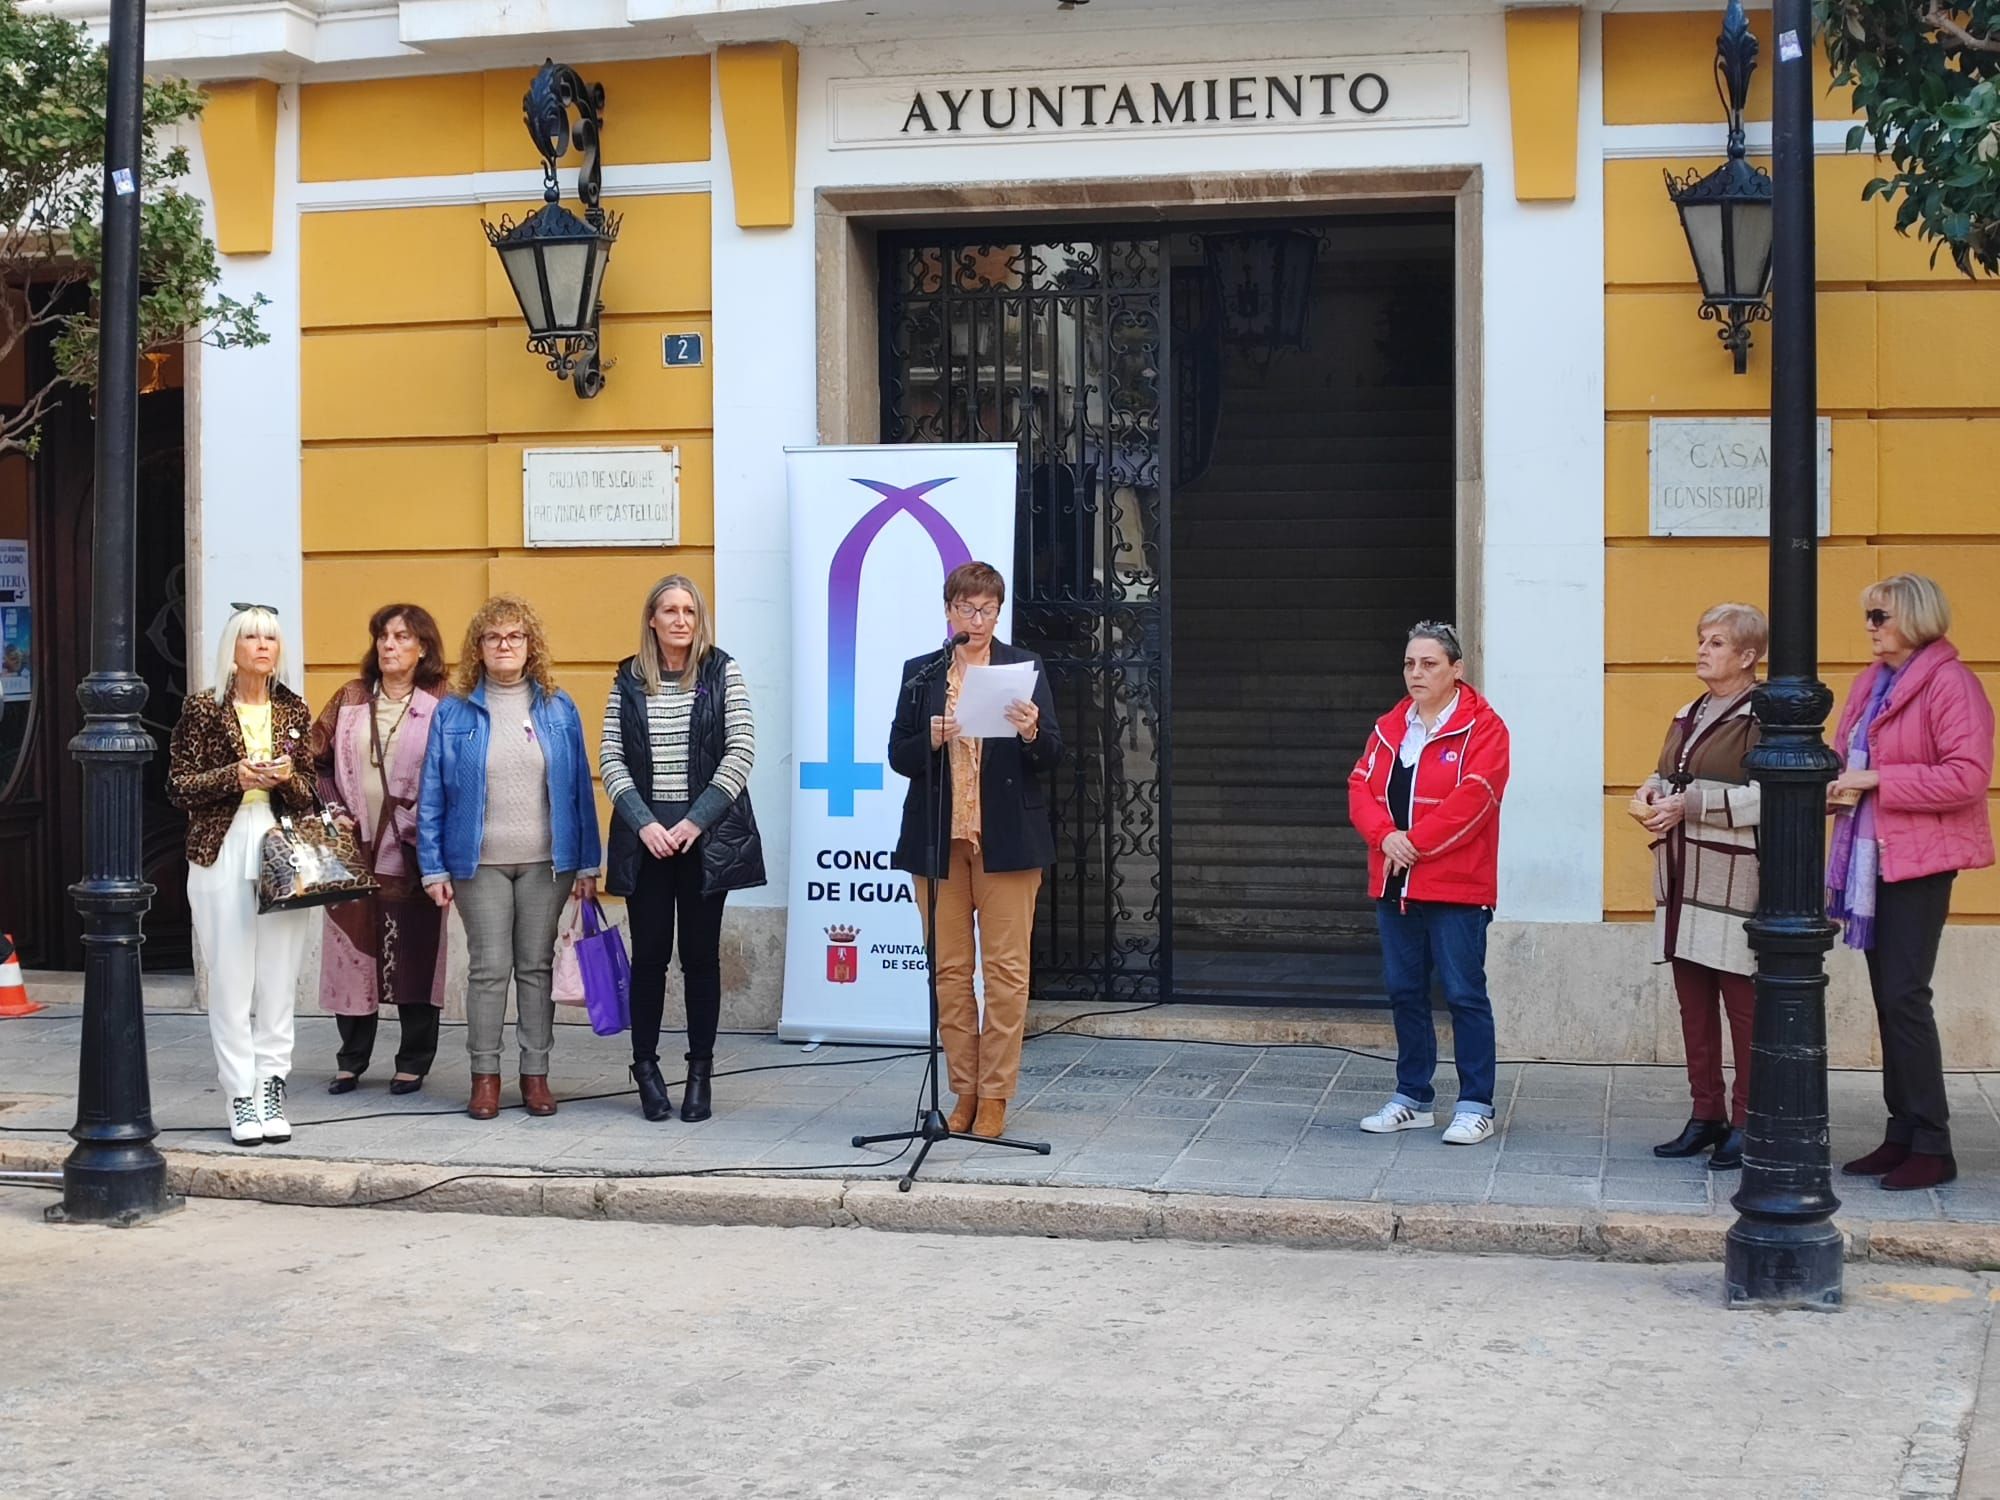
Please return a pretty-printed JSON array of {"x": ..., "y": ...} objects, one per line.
[{"x": 668, "y": 713}]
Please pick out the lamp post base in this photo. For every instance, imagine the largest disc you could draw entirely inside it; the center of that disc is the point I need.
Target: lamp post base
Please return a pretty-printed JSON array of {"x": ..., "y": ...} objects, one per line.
[
  {"x": 1778, "y": 1266},
  {"x": 116, "y": 1185}
]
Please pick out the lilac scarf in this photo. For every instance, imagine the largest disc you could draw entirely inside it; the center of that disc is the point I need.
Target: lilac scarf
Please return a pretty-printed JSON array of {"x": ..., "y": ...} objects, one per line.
[{"x": 1851, "y": 864}]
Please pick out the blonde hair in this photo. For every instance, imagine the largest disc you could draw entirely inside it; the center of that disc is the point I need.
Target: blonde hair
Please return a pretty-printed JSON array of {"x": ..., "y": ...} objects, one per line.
[
  {"x": 253, "y": 621},
  {"x": 504, "y": 609},
  {"x": 1744, "y": 624},
  {"x": 648, "y": 660},
  {"x": 1916, "y": 603}
]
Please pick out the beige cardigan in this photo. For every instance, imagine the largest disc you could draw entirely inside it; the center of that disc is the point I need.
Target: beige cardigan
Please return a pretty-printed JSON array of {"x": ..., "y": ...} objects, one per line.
[{"x": 1705, "y": 868}]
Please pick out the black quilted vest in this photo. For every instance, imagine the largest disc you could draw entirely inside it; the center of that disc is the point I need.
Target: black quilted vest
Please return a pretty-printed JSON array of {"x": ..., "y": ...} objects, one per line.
[{"x": 732, "y": 852}]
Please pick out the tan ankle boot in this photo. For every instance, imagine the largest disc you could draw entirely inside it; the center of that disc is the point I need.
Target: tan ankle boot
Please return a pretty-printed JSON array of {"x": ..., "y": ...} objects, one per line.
[
  {"x": 960, "y": 1119},
  {"x": 991, "y": 1120}
]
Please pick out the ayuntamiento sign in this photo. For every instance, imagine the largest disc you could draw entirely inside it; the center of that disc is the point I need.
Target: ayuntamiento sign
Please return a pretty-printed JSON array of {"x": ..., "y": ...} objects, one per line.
[{"x": 1355, "y": 93}]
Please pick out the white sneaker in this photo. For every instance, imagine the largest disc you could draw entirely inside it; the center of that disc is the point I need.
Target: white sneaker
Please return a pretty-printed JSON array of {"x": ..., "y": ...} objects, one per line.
[
  {"x": 246, "y": 1124},
  {"x": 271, "y": 1110},
  {"x": 1395, "y": 1116},
  {"x": 1467, "y": 1129}
]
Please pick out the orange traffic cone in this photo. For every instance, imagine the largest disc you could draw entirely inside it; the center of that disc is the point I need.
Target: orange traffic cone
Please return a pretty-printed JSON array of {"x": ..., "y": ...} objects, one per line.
[{"x": 14, "y": 999}]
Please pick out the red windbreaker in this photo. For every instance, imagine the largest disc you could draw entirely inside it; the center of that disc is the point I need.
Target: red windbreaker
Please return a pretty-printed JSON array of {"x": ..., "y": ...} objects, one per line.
[{"x": 1455, "y": 816}]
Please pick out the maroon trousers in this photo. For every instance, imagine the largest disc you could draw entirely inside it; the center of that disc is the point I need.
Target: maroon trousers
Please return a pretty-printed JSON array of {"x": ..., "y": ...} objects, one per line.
[{"x": 1699, "y": 989}]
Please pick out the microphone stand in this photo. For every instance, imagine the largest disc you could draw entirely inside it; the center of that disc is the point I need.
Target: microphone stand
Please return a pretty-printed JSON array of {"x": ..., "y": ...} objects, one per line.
[{"x": 930, "y": 1127}]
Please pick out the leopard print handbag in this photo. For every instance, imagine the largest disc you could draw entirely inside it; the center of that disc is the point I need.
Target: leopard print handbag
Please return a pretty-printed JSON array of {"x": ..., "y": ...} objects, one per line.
[{"x": 311, "y": 862}]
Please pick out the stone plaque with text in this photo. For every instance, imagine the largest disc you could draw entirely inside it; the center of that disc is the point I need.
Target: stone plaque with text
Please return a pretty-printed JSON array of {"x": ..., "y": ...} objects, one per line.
[
  {"x": 601, "y": 497},
  {"x": 1711, "y": 476}
]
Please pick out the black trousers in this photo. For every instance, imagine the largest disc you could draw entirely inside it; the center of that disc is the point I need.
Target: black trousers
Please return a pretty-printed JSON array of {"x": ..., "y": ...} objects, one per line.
[
  {"x": 419, "y": 1043},
  {"x": 1909, "y": 920},
  {"x": 668, "y": 897}
]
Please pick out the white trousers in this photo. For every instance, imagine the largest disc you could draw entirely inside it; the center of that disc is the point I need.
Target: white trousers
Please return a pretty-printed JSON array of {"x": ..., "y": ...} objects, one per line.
[{"x": 253, "y": 962}]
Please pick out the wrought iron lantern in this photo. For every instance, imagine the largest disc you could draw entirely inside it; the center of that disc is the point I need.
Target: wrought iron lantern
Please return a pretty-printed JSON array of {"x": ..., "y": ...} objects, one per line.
[
  {"x": 555, "y": 261},
  {"x": 1727, "y": 214}
]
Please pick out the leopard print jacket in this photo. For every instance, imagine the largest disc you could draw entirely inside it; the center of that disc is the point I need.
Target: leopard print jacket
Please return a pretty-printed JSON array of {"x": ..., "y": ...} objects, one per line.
[{"x": 201, "y": 766}]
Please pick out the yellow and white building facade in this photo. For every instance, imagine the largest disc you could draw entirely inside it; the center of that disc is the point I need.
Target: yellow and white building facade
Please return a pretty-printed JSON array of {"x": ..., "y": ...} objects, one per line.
[{"x": 768, "y": 156}]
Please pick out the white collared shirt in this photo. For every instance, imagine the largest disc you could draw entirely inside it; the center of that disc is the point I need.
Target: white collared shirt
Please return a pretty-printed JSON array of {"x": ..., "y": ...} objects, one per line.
[{"x": 1415, "y": 736}]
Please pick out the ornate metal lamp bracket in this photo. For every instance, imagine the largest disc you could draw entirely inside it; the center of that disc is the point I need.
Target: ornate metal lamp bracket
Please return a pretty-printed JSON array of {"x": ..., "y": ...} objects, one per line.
[
  {"x": 557, "y": 89},
  {"x": 1735, "y": 61}
]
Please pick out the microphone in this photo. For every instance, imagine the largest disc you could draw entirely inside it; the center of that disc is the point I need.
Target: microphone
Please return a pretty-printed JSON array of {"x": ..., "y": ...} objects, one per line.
[{"x": 939, "y": 662}]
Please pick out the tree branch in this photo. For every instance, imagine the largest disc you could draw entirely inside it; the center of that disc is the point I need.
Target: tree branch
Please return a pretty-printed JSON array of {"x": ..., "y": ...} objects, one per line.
[{"x": 1939, "y": 18}]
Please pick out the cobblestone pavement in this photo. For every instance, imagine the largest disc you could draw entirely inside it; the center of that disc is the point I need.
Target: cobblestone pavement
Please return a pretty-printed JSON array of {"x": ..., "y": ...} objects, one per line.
[
  {"x": 286, "y": 1351},
  {"x": 1195, "y": 1117}
]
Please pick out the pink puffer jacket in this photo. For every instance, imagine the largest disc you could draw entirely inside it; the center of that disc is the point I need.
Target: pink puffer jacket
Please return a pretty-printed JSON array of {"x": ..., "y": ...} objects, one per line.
[{"x": 1933, "y": 745}]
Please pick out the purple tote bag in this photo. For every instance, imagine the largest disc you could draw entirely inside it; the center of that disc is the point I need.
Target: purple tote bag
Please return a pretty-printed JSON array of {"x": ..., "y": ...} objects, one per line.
[{"x": 607, "y": 973}]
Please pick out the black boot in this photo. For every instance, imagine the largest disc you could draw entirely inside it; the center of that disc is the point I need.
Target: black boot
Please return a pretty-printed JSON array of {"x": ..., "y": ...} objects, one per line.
[
  {"x": 1696, "y": 1137},
  {"x": 1728, "y": 1157},
  {"x": 695, "y": 1103},
  {"x": 654, "y": 1100}
]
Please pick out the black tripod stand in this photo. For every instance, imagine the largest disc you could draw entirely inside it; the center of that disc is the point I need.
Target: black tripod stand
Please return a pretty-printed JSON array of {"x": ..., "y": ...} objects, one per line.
[{"x": 930, "y": 1126}]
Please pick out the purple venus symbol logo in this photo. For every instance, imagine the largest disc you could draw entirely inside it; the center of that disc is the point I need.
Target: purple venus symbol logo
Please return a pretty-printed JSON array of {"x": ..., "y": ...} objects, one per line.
[{"x": 840, "y": 775}]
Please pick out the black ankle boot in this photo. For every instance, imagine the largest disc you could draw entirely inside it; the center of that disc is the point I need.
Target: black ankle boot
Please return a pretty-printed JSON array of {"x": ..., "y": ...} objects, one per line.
[
  {"x": 1695, "y": 1137},
  {"x": 695, "y": 1103},
  {"x": 654, "y": 1100},
  {"x": 1728, "y": 1157}
]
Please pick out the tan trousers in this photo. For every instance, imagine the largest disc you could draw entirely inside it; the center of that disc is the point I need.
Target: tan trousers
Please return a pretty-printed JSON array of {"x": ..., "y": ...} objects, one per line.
[{"x": 988, "y": 1062}]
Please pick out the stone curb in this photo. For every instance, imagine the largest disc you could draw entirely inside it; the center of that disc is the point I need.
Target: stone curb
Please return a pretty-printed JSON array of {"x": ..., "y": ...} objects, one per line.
[{"x": 1048, "y": 1212}]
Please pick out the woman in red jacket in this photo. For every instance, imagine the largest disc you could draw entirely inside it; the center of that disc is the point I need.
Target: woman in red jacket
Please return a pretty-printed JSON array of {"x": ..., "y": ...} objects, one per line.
[
  {"x": 1916, "y": 738},
  {"x": 1425, "y": 794}
]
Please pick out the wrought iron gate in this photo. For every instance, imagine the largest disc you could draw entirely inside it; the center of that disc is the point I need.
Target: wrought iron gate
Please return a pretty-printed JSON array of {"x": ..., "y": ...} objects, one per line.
[{"x": 1059, "y": 344}]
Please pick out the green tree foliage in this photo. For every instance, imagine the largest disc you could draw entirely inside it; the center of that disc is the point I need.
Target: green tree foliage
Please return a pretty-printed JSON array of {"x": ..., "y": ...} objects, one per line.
[
  {"x": 1925, "y": 76},
  {"x": 53, "y": 86}
]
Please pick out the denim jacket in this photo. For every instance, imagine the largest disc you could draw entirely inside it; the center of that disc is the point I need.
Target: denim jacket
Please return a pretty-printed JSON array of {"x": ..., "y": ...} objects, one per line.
[{"x": 451, "y": 807}]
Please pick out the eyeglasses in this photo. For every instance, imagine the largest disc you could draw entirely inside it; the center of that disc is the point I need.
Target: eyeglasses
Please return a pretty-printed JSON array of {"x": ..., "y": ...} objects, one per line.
[
  {"x": 974, "y": 614},
  {"x": 1877, "y": 618},
  {"x": 513, "y": 640}
]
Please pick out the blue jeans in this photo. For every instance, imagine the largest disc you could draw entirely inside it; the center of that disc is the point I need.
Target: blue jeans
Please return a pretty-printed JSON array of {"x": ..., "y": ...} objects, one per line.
[{"x": 1449, "y": 938}]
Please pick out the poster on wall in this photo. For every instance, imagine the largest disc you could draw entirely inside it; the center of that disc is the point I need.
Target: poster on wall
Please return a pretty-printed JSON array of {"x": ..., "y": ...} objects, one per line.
[
  {"x": 17, "y": 681},
  {"x": 874, "y": 532}
]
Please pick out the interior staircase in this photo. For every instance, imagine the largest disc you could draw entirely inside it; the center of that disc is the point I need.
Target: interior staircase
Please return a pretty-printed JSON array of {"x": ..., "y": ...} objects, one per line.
[{"x": 1322, "y": 529}]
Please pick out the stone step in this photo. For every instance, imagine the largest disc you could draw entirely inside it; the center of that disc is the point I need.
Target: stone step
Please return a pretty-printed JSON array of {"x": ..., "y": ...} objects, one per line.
[
  {"x": 1294, "y": 547},
  {"x": 1413, "y": 471}
]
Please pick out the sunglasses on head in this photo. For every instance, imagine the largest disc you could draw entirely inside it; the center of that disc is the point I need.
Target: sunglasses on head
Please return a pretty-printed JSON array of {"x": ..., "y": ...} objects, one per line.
[
  {"x": 1877, "y": 617},
  {"x": 239, "y": 607}
]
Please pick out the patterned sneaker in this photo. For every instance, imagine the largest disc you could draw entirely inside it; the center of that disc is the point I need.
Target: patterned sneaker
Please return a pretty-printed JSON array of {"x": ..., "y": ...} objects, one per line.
[
  {"x": 1467, "y": 1129},
  {"x": 246, "y": 1125},
  {"x": 271, "y": 1109},
  {"x": 1395, "y": 1116}
]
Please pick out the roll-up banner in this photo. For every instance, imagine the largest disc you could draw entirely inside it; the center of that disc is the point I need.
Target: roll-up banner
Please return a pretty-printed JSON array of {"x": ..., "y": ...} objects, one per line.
[{"x": 874, "y": 532}]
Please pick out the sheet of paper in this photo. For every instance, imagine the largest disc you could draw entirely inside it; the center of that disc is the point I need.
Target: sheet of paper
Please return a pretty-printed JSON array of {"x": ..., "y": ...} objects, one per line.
[{"x": 984, "y": 695}]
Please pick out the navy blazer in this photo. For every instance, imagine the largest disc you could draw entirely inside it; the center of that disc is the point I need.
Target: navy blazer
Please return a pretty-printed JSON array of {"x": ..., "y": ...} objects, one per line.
[{"x": 1014, "y": 828}]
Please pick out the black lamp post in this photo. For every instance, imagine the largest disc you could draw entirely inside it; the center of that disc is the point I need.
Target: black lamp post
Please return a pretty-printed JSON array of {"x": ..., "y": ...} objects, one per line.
[
  {"x": 115, "y": 1176},
  {"x": 1727, "y": 215},
  {"x": 1783, "y": 1250},
  {"x": 555, "y": 261}
]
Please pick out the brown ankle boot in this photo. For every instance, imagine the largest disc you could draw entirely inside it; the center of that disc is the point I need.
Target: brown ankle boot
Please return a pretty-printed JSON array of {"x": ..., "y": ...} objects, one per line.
[
  {"x": 991, "y": 1120},
  {"x": 535, "y": 1094},
  {"x": 485, "y": 1102},
  {"x": 960, "y": 1119}
]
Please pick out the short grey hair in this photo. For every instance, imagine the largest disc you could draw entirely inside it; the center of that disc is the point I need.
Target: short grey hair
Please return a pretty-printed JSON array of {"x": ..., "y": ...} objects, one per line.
[
  {"x": 1437, "y": 630},
  {"x": 1744, "y": 624}
]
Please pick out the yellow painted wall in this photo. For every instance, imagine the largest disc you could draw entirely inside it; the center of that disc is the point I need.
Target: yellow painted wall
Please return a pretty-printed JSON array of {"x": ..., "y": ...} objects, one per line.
[
  {"x": 1911, "y": 477},
  {"x": 419, "y": 394}
]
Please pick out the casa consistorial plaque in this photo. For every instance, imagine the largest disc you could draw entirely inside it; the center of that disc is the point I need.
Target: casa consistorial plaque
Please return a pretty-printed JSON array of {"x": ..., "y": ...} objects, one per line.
[
  {"x": 601, "y": 497},
  {"x": 1711, "y": 476},
  {"x": 1207, "y": 98}
]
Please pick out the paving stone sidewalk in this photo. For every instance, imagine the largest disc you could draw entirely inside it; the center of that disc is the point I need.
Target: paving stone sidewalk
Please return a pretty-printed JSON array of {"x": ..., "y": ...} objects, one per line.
[{"x": 1182, "y": 1117}]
